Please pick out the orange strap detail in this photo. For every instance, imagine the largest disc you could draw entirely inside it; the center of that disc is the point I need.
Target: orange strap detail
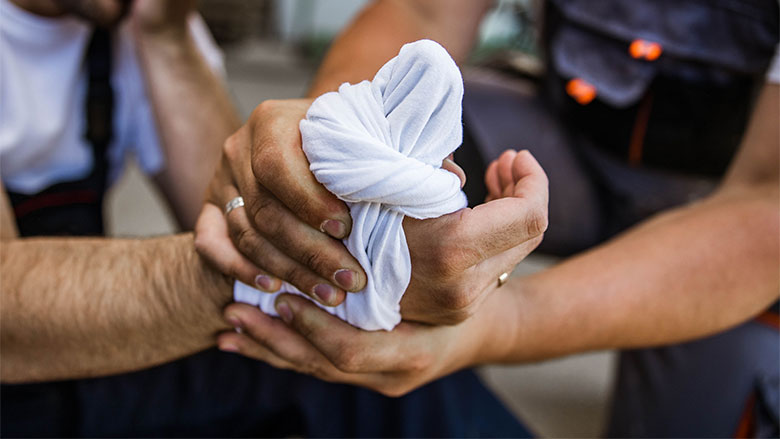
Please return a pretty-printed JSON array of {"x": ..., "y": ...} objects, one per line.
[
  {"x": 582, "y": 91},
  {"x": 643, "y": 49}
]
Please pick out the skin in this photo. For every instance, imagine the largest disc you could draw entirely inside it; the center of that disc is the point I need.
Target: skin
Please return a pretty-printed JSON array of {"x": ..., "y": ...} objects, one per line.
[
  {"x": 165, "y": 301},
  {"x": 641, "y": 289},
  {"x": 689, "y": 272},
  {"x": 290, "y": 225}
]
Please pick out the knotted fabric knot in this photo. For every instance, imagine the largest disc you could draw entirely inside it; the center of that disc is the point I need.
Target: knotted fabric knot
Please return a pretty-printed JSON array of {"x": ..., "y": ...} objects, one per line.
[{"x": 379, "y": 146}]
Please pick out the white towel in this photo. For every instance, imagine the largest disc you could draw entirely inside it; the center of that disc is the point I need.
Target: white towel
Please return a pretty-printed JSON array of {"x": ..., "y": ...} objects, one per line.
[{"x": 379, "y": 146}]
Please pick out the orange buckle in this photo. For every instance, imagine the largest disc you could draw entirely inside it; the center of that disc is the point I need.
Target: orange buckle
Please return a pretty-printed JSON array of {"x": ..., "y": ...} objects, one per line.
[
  {"x": 582, "y": 91},
  {"x": 643, "y": 49}
]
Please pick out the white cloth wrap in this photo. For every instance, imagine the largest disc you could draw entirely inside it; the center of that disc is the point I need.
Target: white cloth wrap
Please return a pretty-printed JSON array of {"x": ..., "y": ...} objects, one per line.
[{"x": 379, "y": 146}]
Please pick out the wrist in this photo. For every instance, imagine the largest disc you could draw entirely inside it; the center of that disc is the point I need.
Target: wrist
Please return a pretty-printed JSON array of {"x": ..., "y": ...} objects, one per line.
[
  {"x": 489, "y": 334},
  {"x": 175, "y": 34}
]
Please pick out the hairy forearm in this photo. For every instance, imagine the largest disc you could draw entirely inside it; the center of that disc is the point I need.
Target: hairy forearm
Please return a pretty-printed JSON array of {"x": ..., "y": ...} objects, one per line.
[
  {"x": 384, "y": 26},
  {"x": 685, "y": 274},
  {"x": 194, "y": 117},
  {"x": 88, "y": 307}
]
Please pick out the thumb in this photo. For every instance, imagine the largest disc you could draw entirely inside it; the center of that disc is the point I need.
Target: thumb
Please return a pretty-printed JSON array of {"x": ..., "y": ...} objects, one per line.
[{"x": 505, "y": 223}]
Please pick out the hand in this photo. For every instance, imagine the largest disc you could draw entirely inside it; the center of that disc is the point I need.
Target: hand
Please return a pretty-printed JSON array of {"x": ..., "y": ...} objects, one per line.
[
  {"x": 504, "y": 173},
  {"x": 317, "y": 343},
  {"x": 289, "y": 223},
  {"x": 162, "y": 16},
  {"x": 457, "y": 258}
]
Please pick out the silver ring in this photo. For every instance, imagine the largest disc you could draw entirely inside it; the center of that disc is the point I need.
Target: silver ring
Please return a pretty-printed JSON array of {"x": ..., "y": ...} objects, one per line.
[
  {"x": 232, "y": 204},
  {"x": 502, "y": 279}
]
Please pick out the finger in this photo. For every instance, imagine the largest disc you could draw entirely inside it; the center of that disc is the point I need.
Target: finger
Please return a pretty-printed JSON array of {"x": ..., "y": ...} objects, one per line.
[
  {"x": 258, "y": 249},
  {"x": 496, "y": 226},
  {"x": 325, "y": 256},
  {"x": 492, "y": 182},
  {"x": 505, "y": 168},
  {"x": 271, "y": 333},
  {"x": 449, "y": 165},
  {"x": 262, "y": 279},
  {"x": 240, "y": 344},
  {"x": 281, "y": 341},
  {"x": 213, "y": 243},
  {"x": 279, "y": 164},
  {"x": 348, "y": 348},
  {"x": 502, "y": 224},
  {"x": 530, "y": 179}
]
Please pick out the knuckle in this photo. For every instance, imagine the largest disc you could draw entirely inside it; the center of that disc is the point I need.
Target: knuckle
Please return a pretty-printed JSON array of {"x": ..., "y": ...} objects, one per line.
[
  {"x": 459, "y": 303},
  {"x": 245, "y": 240},
  {"x": 264, "y": 161},
  {"x": 315, "y": 259},
  {"x": 537, "y": 222},
  {"x": 202, "y": 243},
  {"x": 346, "y": 358},
  {"x": 300, "y": 205},
  {"x": 445, "y": 261},
  {"x": 420, "y": 362},
  {"x": 230, "y": 147},
  {"x": 314, "y": 367},
  {"x": 295, "y": 275},
  {"x": 264, "y": 108},
  {"x": 264, "y": 214}
]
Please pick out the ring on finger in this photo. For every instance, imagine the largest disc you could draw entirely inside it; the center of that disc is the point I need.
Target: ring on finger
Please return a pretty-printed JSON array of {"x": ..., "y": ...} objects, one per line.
[
  {"x": 232, "y": 204},
  {"x": 502, "y": 279}
]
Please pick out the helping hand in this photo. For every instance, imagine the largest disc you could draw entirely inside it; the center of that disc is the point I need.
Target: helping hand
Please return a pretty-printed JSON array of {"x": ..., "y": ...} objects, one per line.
[
  {"x": 290, "y": 227},
  {"x": 316, "y": 343},
  {"x": 456, "y": 259}
]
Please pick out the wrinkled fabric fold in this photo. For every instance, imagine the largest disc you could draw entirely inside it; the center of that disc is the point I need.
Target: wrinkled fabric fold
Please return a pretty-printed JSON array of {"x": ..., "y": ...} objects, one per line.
[{"x": 379, "y": 146}]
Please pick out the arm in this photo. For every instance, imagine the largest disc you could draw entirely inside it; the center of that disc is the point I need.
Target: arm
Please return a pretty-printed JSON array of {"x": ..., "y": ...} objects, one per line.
[
  {"x": 384, "y": 26},
  {"x": 193, "y": 111},
  {"x": 86, "y": 307},
  {"x": 687, "y": 273}
]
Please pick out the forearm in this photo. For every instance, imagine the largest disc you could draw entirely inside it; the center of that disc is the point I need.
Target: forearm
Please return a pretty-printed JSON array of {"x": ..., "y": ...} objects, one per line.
[
  {"x": 194, "y": 117},
  {"x": 384, "y": 26},
  {"x": 87, "y": 307},
  {"x": 688, "y": 273}
]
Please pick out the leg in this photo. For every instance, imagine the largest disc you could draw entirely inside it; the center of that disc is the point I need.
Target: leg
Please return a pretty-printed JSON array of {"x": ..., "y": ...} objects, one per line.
[{"x": 215, "y": 394}]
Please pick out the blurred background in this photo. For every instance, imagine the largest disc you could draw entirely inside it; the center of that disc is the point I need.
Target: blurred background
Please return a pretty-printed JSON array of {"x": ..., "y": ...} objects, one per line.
[{"x": 272, "y": 48}]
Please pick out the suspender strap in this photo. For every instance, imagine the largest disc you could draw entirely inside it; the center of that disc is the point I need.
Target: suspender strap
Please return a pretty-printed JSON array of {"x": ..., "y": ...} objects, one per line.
[{"x": 99, "y": 109}]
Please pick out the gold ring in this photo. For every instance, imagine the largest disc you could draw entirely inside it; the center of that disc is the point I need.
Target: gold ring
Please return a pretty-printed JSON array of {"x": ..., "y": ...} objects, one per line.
[{"x": 502, "y": 279}]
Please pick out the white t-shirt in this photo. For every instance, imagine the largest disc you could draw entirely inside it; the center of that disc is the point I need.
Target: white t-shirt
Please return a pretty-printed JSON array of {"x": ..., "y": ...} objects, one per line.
[{"x": 43, "y": 83}]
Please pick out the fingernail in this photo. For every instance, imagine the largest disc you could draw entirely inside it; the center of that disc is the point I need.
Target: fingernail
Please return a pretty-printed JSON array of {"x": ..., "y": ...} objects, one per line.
[
  {"x": 334, "y": 228},
  {"x": 264, "y": 282},
  {"x": 284, "y": 311},
  {"x": 235, "y": 322},
  {"x": 325, "y": 292},
  {"x": 228, "y": 347},
  {"x": 345, "y": 278}
]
